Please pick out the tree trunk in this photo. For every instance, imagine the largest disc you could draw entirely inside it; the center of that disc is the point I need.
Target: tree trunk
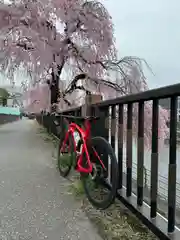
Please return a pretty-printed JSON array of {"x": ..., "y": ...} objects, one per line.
[
  {"x": 54, "y": 88},
  {"x": 55, "y": 85}
]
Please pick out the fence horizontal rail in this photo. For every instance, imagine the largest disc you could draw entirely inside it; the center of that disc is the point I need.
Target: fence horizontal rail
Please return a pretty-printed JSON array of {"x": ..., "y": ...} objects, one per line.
[{"x": 159, "y": 93}]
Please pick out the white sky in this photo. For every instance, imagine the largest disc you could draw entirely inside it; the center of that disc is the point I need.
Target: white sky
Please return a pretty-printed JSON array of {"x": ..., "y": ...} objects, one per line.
[{"x": 151, "y": 30}]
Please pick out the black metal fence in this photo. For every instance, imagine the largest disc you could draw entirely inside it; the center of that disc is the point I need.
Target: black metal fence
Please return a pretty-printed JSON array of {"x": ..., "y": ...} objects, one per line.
[{"x": 164, "y": 228}]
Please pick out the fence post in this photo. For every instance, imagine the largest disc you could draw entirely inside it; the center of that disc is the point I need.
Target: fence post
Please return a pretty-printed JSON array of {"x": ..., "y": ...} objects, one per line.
[
  {"x": 172, "y": 167},
  {"x": 154, "y": 159},
  {"x": 86, "y": 109},
  {"x": 120, "y": 144},
  {"x": 140, "y": 154},
  {"x": 129, "y": 151}
]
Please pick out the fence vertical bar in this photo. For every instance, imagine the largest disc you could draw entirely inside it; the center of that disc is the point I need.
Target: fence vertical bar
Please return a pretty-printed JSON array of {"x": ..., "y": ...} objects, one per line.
[
  {"x": 120, "y": 145},
  {"x": 42, "y": 120},
  {"x": 140, "y": 154},
  {"x": 76, "y": 113},
  {"x": 113, "y": 126},
  {"x": 113, "y": 132},
  {"x": 129, "y": 151},
  {"x": 79, "y": 112},
  {"x": 103, "y": 130},
  {"x": 154, "y": 159},
  {"x": 172, "y": 166}
]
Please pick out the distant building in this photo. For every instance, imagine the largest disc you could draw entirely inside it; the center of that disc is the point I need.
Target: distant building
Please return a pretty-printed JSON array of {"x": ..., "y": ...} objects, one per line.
[{"x": 16, "y": 95}]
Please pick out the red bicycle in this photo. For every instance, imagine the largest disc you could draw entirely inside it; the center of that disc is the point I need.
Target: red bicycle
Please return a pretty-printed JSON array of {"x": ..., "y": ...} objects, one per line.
[{"x": 91, "y": 157}]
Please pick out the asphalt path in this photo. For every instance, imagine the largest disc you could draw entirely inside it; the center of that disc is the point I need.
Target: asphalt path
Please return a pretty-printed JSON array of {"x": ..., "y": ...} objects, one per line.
[{"x": 34, "y": 200}]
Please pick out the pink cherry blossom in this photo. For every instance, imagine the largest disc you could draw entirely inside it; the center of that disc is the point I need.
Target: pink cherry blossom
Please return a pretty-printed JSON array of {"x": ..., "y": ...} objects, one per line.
[{"x": 83, "y": 42}]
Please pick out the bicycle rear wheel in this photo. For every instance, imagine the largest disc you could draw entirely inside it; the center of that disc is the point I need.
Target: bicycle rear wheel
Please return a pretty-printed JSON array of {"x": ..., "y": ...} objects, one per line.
[
  {"x": 100, "y": 148},
  {"x": 66, "y": 153}
]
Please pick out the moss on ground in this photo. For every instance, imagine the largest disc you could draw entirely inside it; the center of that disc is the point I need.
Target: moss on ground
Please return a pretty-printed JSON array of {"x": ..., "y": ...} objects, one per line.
[
  {"x": 50, "y": 138},
  {"x": 114, "y": 223},
  {"x": 77, "y": 189}
]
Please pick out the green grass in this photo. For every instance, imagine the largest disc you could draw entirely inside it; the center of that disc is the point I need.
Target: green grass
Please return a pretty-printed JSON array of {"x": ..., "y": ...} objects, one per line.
[
  {"x": 117, "y": 222},
  {"x": 114, "y": 223},
  {"x": 76, "y": 188},
  {"x": 65, "y": 160}
]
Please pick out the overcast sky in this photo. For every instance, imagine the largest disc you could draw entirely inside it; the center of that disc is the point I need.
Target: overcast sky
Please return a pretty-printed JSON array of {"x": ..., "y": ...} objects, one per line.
[{"x": 151, "y": 30}]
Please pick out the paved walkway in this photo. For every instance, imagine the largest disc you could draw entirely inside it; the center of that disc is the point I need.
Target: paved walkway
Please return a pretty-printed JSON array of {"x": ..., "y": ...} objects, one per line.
[{"x": 34, "y": 203}]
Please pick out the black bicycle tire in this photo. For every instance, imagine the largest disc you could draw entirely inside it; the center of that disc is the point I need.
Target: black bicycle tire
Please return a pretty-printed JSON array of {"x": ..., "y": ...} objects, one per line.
[
  {"x": 62, "y": 136},
  {"x": 113, "y": 190}
]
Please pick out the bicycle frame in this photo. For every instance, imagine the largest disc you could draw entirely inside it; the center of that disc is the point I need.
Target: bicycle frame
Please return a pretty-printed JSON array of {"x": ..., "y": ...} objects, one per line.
[{"x": 85, "y": 136}]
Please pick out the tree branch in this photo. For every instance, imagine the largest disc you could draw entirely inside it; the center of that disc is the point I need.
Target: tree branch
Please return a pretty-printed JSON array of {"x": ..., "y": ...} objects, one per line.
[
  {"x": 74, "y": 47},
  {"x": 25, "y": 46}
]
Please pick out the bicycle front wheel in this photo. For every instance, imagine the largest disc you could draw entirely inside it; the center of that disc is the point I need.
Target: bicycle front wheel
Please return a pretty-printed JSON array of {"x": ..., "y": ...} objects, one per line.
[
  {"x": 101, "y": 184},
  {"x": 66, "y": 151}
]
